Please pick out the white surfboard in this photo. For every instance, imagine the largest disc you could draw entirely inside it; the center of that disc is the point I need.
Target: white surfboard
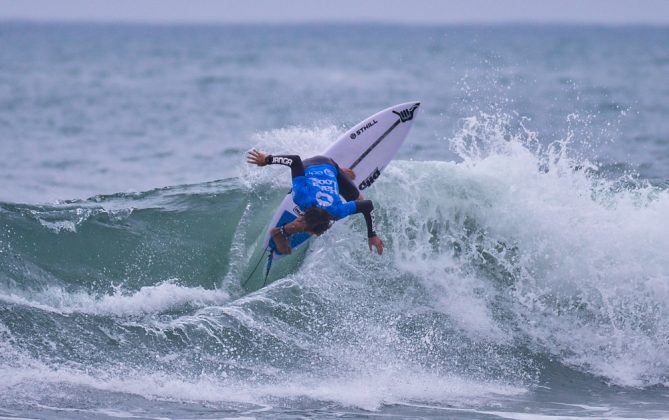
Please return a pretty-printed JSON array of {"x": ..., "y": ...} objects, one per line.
[{"x": 367, "y": 148}]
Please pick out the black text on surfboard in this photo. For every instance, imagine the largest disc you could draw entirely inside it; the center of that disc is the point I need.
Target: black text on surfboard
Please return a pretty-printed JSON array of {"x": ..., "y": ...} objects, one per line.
[
  {"x": 363, "y": 129},
  {"x": 369, "y": 180}
]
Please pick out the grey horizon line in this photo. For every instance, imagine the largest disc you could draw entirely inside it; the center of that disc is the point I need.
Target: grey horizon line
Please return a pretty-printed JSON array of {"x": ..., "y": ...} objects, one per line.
[{"x": 342, "y": 22}]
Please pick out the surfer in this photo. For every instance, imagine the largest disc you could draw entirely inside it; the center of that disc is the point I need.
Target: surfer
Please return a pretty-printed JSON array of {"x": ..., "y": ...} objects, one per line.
[{"x": 317, "y": 183}]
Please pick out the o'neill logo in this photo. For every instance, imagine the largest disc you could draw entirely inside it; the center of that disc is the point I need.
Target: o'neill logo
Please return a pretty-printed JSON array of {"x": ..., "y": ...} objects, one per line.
[
  {"x": 364, "y": 128},
  {"x": 370, "y": 179},
  {"x": 406, "y": 114}
]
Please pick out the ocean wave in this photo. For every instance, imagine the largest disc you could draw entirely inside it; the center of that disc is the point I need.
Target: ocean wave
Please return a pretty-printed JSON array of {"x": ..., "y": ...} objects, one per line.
[{"x": 496, "y": 265}]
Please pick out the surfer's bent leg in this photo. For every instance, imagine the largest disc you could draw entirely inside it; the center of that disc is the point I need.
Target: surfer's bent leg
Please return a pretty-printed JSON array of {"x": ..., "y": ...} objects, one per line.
[
  {"x": 347, "y": 188},
  {"x": 318, "y": 160},
  {"x": 293, "y": 161}
]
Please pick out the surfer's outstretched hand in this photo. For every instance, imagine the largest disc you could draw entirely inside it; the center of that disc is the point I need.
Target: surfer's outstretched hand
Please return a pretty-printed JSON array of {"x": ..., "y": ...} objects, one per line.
[
  {"x": 376, "y": 242},
  {"x": 256, "y": 157}
]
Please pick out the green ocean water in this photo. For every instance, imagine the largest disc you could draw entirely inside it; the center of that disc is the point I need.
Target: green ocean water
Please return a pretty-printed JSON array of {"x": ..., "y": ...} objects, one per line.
[{"x": 525, "y": 272}]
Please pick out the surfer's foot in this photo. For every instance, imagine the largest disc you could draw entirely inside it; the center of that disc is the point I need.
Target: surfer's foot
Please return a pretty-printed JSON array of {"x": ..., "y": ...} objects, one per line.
[
  {"x": 349, "y": 173},
  {"x": 281, "y": 241}
]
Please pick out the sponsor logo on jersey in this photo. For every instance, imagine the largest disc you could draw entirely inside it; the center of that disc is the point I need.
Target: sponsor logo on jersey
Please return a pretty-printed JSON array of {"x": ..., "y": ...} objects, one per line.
[
  {"x": 369, "y": 180},
  {"x": 364, "y": 128},
  {"x": 327, "y": 172},
  {"x": 324, "y": 199},
  {"x": 297, "y": 210},
  {"x": 282, "y": 160},
  {"x": 406, "y": 114}
]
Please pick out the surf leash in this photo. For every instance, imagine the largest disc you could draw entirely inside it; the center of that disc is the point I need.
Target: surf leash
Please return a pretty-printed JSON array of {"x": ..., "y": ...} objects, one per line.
[
  {"x": 270, "y": 258},
  {"x": 271, "y": 255}
]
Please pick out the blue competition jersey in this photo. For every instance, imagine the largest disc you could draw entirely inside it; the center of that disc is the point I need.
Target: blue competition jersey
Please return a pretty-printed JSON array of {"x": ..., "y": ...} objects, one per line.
[{"x": 318, "y": 187}]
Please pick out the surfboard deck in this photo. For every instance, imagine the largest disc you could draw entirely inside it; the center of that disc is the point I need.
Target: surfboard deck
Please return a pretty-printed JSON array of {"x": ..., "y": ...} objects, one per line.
[{"x": 367, "y": 148}]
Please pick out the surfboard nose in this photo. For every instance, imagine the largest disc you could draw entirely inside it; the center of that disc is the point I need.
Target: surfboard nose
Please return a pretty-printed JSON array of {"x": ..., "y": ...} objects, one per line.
[{"x": 408, "y": 104}]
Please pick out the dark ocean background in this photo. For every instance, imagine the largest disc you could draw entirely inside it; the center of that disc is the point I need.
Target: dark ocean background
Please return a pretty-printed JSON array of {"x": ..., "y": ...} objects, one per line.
[{"x": 526, "y": 272}]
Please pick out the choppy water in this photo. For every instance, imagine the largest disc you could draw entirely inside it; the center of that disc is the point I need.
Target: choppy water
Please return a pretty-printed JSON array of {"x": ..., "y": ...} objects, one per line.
[{"x": 525, "y": 221}]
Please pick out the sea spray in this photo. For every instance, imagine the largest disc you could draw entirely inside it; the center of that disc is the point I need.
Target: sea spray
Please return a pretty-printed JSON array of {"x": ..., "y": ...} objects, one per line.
[{"x": 533, "y": 242}]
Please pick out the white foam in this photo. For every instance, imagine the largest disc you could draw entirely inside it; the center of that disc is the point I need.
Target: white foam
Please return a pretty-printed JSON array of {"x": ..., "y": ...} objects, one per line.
[
  {"x": 297, "y": 140},
  {"x": 587, "y": 260},
  {"x": 371, "y": 392},
  {"x": 365, "y": 392},
  {"x": 68, "y": 219},
  {"x": 147, "y": 300}
]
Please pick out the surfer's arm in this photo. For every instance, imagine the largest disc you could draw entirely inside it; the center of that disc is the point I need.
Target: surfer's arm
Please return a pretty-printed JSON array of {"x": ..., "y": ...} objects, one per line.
[
  {"x": 366, "y": 207},
  {"x": 256, "y": 157}
]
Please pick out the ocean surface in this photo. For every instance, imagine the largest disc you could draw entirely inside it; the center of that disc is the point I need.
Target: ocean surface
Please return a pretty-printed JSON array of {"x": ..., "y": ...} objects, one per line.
[{"x": 526, "y": 222}]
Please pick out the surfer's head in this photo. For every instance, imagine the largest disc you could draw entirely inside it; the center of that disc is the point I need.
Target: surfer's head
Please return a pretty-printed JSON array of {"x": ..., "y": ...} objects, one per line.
[{"x": 317, "y": 220}]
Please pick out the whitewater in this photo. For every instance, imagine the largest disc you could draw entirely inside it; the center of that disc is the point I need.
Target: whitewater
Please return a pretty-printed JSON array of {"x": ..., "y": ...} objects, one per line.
[
  {"x": 488, "y": 283},
  {"x": 525, "y": 273}
]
